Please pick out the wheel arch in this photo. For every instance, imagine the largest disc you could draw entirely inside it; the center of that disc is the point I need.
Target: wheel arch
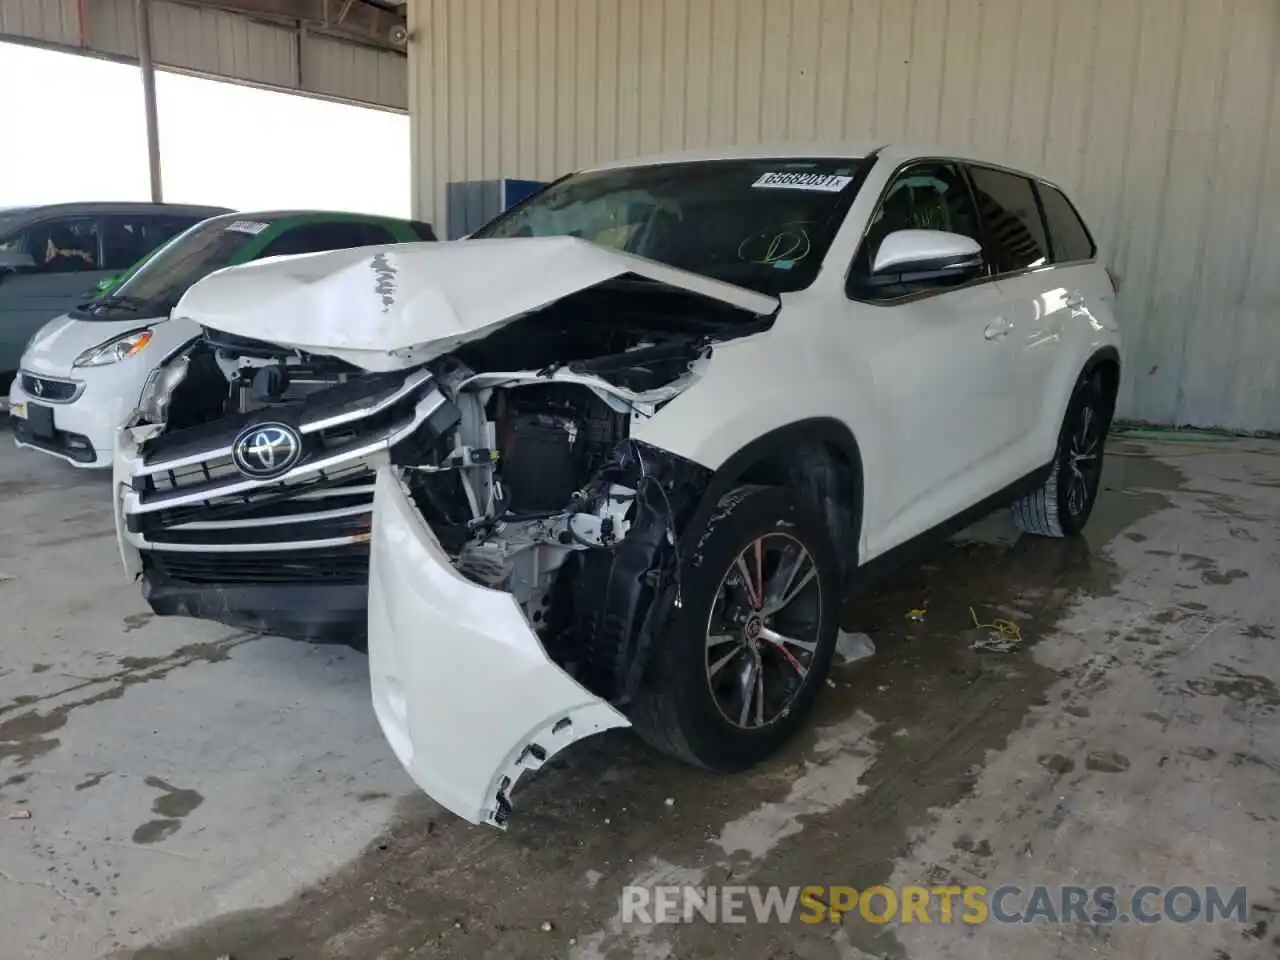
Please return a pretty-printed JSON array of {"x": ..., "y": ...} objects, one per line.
[
  {"x": 820, "y": 458},
  {"x": 1105, "y": 362}
]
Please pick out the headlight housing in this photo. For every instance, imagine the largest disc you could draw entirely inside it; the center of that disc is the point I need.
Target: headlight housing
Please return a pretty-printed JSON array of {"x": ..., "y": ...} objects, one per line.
[
  {"x": 153, "y": 403},
  {"x": 114, "y": 350}
]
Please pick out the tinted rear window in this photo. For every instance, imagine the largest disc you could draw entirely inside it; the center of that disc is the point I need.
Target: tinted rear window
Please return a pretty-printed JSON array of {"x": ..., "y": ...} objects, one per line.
[
  {"x": 1071, "y": 240},
  {"x": 1011, "y": 218}
]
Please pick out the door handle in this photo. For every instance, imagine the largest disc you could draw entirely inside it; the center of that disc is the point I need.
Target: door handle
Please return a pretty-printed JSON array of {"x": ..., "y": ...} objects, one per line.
[{"x": 997, "y": 329}]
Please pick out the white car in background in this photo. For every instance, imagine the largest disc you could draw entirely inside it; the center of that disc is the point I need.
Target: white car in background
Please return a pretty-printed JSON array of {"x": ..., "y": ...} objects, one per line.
[
  {"x": 82, "y": 373},
  {"x": 635, "y": 443}
]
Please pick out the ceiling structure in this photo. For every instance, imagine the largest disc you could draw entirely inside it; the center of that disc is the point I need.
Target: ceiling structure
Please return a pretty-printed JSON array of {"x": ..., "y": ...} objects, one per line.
[{"x": 347, "y": 50}]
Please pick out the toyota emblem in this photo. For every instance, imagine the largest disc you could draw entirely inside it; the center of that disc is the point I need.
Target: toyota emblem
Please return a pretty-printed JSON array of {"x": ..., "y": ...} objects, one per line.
[{"x": 266, "y": 450}]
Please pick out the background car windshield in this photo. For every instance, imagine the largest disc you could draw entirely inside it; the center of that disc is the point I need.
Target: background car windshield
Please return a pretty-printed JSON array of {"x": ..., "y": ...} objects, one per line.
[
  {"x": 763, "y": 224},
  {"x": 164, "y": 278}
]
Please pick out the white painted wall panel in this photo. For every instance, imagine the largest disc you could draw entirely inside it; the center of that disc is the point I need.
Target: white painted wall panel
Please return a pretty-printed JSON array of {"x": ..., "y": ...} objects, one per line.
[{"x": 1159, "y": 116}]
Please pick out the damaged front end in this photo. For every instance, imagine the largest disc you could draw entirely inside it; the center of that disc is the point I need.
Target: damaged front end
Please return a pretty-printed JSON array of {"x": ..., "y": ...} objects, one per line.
[{"x": 518, "y": 544}]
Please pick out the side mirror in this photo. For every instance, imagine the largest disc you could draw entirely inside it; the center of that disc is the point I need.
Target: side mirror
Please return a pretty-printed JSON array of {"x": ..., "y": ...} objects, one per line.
[
  {"x": 16, "y": 260},
  {"x": 926, "y": 254}
]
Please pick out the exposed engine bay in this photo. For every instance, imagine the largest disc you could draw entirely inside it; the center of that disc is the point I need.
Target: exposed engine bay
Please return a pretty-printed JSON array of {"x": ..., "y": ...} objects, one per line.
[
  {"x": 544, "y": 495},
  {"x": 527, "y": 474}
]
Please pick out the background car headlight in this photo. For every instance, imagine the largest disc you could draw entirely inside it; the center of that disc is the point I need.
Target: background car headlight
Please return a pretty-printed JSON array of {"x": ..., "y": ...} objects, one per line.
[{"x": 114, "y": 350}]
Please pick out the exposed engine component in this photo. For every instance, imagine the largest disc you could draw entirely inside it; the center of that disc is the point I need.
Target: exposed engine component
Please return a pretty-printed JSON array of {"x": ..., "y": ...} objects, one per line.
[
  {"x": 540, "y": 462},
  {"x": 549, "y": 439},
  {"x": 524, "y": 480}
]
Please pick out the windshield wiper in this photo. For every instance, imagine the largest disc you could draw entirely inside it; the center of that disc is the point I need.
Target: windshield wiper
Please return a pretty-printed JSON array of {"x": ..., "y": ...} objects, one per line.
[{"x": 132, "y": 304}]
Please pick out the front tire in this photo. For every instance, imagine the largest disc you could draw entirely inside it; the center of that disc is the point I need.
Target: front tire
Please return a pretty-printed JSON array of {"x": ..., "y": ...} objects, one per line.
[
  {"x": 1062, "y": 506},
  {"x": 747, "y": 651}
]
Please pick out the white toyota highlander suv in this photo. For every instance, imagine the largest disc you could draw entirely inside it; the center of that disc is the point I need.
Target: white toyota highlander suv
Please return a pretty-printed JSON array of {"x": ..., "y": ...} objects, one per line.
[{"x": 631, "y": 445}]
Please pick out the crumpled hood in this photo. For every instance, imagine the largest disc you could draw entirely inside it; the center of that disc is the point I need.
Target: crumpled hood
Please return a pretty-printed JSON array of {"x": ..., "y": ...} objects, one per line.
[{"x": 393, "y": 306}]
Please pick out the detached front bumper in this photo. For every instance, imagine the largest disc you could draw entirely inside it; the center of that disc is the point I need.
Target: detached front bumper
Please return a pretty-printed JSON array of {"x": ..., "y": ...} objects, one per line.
[{"x": 462, "y": 688}]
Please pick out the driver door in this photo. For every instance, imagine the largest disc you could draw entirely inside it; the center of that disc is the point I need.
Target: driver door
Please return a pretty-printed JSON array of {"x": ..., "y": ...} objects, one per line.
[{"x": 942, "y": 361}]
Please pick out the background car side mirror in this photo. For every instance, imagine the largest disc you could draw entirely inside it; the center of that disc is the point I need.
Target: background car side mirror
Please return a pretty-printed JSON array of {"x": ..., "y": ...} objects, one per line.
[{"x": 916, "y": 255}]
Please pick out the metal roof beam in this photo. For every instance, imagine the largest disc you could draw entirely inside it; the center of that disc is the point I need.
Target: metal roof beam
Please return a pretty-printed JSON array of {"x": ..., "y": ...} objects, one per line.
[{"x": 353, "y": 19}]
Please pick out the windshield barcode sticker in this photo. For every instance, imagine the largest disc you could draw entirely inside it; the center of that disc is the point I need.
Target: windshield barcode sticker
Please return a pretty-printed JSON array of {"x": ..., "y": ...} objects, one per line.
[
  {"x": 825, "y": 182},
  {"x": 246, "y": 226}
]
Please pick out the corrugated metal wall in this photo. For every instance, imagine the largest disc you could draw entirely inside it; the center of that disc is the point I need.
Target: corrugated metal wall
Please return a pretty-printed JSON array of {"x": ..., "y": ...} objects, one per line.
[
  {"x": 51, "y": 21},
  {"x": 1160, "y": 116},
  {"x": 217, "y": 43}
]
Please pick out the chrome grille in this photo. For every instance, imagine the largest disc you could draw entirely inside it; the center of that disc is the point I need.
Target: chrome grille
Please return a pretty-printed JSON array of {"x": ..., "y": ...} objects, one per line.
[{"x": 195, "y": 514}]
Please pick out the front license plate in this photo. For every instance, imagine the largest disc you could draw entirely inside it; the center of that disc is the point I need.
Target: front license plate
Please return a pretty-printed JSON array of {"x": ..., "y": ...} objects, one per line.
[{"x": 40, "y": 421}]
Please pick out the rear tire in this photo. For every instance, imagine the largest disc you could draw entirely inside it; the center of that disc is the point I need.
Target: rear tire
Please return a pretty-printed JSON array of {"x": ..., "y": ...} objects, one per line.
[
  {"x": 724, "y": 691},
  {"x": 1062, "y": 506}
]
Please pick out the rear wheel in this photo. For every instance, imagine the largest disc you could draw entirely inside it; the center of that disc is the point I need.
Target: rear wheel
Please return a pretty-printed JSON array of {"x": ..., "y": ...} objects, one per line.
[
  {"x": 748, "y": 649},
  {"x": 1062, "y": 506}
]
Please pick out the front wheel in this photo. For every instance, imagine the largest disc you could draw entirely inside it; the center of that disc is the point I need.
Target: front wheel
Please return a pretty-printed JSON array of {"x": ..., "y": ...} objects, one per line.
[
  {"x": 1061, "y": 507},
  {"x": 748, "y": 649}
]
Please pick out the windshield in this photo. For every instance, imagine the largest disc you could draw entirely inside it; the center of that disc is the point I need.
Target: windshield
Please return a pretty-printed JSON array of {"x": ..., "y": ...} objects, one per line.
[
  {"x": 762, "y": 224},
  {"x": 160, "y": 282}
]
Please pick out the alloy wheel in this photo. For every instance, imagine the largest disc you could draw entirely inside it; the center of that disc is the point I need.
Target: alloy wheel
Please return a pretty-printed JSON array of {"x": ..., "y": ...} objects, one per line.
[
  {"x": 762, "y": 631},
  {"x": 1084, "y": 461}
]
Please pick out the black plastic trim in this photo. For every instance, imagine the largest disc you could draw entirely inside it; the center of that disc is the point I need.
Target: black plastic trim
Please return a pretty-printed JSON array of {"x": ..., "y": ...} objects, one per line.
[
  {"x": 315, "y": 613},
  {"x": 875, "y": 570},
  {"x": 815, "y": 430},
  {"x": 1100, "y": 356},
  {"x": 59, "y": 444}
]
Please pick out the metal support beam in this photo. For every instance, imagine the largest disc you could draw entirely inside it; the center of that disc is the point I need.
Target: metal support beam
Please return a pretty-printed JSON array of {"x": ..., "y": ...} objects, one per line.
[{"x": 142, "y": 22}]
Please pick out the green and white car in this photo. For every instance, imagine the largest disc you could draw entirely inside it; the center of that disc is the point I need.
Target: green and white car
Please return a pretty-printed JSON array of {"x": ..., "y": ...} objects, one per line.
[{"x": 82, "y": 373}]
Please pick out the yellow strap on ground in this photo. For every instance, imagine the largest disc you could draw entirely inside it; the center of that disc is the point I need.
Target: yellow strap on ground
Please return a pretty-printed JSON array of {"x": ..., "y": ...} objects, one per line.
[{"x": 1006, "y": 628}]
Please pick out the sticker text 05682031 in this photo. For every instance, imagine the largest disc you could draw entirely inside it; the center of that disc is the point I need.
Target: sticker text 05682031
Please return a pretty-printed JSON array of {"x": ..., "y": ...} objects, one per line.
[
  {"x": 824, "y": 182},
  {"x": 246, "y": 226}
]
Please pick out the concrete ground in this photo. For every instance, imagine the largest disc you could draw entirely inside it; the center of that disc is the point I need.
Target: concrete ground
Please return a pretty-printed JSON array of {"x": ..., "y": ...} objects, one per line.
[{"x": 195, "y": 793}]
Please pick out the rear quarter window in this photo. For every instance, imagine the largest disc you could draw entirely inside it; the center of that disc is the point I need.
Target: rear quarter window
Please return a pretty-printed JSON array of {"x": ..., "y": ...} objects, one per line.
[
  {"x": 1067, "y": 231},
  {"x": 1011, "y": 219}
]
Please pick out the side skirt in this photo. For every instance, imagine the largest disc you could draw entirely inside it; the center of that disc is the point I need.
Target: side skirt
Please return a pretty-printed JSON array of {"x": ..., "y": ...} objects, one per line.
[{"x": 876, "y": 570}]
